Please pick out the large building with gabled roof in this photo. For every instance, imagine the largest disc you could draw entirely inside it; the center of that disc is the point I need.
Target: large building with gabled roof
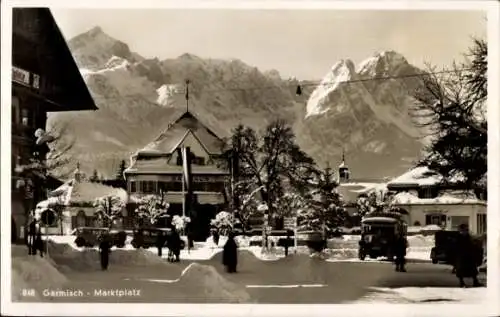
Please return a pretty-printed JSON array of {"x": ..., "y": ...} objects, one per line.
[{"x": 157, "y": 168}]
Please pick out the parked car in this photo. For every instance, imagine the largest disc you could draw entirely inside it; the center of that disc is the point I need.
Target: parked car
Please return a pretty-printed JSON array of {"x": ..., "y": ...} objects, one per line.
[
  {"x": 89, "y": 236},
  {"x": 147, "y": 237}
]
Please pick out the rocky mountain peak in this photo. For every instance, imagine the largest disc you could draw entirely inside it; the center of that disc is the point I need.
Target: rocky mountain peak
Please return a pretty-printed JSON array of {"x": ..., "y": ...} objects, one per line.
[{"x": 94, "y": 48}]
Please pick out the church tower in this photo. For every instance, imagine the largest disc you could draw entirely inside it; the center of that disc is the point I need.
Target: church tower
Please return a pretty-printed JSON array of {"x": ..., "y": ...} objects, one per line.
[{"x": 344, "y": 172}]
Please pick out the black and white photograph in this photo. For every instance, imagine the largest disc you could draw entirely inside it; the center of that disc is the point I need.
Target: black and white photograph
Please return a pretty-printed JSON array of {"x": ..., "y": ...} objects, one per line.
[{"x": 323, "y": 153}]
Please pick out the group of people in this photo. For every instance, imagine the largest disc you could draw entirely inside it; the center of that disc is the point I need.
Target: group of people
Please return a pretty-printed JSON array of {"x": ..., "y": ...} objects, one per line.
[
  {"x": 173, "y": 242},
  {"x": 467, "y": 256}
]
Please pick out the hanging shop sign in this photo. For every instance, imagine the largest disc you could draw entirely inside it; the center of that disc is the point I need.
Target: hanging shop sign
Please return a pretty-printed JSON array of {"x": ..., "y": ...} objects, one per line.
[{"x": 25, "y": 78}]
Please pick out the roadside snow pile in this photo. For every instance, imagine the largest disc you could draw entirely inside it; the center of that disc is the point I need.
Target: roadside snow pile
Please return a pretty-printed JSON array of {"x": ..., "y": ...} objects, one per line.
[
  {"x": 336, "y": 254},
  {"x": 70, "y": 240},
  {"x": 67, "y": 258},
  {"x": 344, "y": 242},
  {"x": 421, "y": 241},
  {"x": 211, "y": 286},
  {"x": 425, "y": 295},
  {"x": 272, "y": 254},
  {"x": 34, "y": 272}
]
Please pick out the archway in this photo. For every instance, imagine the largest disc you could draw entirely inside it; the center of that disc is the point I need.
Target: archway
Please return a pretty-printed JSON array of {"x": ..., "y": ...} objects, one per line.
[{"x": 13, "y": 231}]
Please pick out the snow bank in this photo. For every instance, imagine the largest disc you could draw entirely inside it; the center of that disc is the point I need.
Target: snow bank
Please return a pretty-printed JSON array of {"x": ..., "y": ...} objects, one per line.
[
  {"x": 34, "y": 272},
  {"x": 272, "y": 254},
  {"x": 212, "y": 286},
  {"x": 67, "y": 258},
  {"x": 425, "y": 295}
]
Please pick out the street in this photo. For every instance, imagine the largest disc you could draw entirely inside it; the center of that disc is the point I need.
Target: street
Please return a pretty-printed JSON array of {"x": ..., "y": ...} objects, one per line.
[{"x": 296, "y": 279}]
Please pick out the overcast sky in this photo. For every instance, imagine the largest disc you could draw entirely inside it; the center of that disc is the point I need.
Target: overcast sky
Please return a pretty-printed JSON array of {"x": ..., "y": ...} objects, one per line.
[{"x": 300, "y": 43}]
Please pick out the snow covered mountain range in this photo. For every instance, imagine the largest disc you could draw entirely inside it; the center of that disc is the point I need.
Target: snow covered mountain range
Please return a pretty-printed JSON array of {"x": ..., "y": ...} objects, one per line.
[{"x": 137, "y": 97}]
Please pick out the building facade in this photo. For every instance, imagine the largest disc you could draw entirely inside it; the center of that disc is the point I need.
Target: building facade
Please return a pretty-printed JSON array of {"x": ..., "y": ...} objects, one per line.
[
  {"x": 158, "y": 169},
  {"x": 420, "y": 192},
  {"x": 45, "y": 78}
]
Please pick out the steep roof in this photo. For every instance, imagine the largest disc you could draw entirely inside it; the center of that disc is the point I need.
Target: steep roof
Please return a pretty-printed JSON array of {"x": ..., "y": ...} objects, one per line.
[
  {"x": 68, "y": 91},
  {"x": 176, "y": 132}
]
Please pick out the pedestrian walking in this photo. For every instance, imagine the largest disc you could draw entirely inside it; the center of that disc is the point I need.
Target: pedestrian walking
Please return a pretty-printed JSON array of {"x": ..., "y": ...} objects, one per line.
[
  {"x": 174, "y": 245},
  {"x": 39, "y": 241},
  {"x": 160, "y": 242},
  {"x": 31, "y": 237},
  {"x": 215, "y": 236},
  {"x": 230, "y": 254},
  {"x": 467, "y": 257},
  {"x": 400, "y": 245},
  {"x": 104, "y": 250}
]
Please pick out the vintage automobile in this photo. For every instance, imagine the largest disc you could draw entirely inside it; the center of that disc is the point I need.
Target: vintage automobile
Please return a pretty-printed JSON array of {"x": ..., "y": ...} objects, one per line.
[
  {"x": 378, "y": 233},
  {"x": 147, "y": 237},
  {"x": 89, "y": 236}
]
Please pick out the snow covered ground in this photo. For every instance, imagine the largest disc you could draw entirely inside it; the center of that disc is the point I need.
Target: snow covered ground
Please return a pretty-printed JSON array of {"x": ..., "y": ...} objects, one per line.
[
  {"x": 339, "y": 249},
  {"x": 426, "y": 295}
]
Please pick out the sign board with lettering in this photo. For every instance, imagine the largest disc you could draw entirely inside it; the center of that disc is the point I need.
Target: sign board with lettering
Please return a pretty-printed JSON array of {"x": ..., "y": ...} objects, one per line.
[
  {"x": 20, "y": 76},
  {"x": 25, "y": 78}
]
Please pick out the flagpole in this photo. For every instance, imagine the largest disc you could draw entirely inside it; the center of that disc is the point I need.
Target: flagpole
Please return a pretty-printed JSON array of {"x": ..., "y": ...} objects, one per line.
[{"x": 183, "y": 197}]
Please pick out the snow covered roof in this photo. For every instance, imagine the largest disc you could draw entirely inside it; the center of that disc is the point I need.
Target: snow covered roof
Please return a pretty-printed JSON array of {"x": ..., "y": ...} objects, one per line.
[
  {"x": 405, "y": 198},
  {"x": 378, "y": 219},
  {"x": 177, "y": 131},
  {"x": 419, "y": 176},
  {"x": 73, "y": 192}
]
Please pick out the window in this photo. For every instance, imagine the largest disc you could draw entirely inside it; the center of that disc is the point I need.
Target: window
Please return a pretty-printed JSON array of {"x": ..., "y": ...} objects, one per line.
[
  {"x": 148, "y": 187},
  {"x": 456, "y": 221},
  {"x": 198, "y": 160},
  {"x": 133, "y": 186},
  {"x": 481, "y": 224},
  {"x": 435, "y": 219},
  {"x": 25, "y": 117},
  {"x": 162, "y": 186},
  {"x": 428, "y": 192}
]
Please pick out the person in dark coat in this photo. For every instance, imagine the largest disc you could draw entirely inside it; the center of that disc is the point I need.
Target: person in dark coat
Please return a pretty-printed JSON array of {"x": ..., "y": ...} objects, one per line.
[
  {"x": 104, "y": 250},
  {"x": 400, "y": 245},
  {"x": 216, "y": 236},
  {"x": 175, "y": 245},
  {"x": 467, "y": 256},
  {"x": 31, "y": 237},
  {"x": 39, "y": 241},
  {"x": 160, "y": 241},
  {"x": 230, "y": 254}
]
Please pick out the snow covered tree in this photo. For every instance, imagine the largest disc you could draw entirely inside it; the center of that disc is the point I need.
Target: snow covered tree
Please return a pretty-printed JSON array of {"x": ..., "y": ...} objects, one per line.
[
  {"x": 121, "y": 170},
  {"x": 367, "y": 203},
  {"x": 108, "y": 209},
  {"x": 180, "y": 222},
  {"x": 224, "y": 221},
  {"x": 452, "y": 106},
  {"x": 152, "y": 208},
  {"x": 324, "y": 210}
]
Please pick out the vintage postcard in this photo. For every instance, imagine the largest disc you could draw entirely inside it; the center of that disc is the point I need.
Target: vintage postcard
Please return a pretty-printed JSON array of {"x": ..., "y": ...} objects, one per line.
[{"x": 253, "y": 158}]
